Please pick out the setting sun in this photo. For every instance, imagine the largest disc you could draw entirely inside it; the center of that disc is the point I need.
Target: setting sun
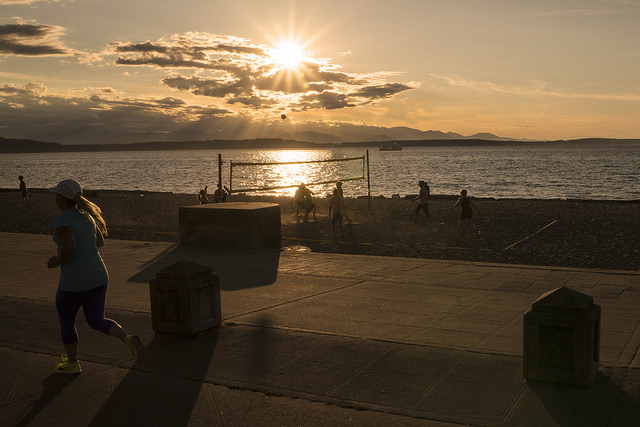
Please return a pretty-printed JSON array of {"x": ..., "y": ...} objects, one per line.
[{"x": 288, "y": 55}]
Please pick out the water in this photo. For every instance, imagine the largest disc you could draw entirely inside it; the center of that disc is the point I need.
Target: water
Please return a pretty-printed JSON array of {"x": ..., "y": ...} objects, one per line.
[{"x": 541, "y": 172}]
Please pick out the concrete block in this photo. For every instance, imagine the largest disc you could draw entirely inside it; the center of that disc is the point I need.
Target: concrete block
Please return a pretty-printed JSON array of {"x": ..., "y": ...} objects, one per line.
[
  {"x": 562, "y": 338},
  {"x": 185, "y": 299},
  {"x": 231, "y": 225}
]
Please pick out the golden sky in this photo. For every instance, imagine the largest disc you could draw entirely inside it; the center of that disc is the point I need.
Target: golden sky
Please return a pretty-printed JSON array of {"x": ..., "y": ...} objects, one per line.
[{"x": 122, "y": 71}]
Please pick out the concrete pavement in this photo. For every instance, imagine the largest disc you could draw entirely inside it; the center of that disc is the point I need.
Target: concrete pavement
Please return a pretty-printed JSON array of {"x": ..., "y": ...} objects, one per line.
[{"x": 311, "y": 339}]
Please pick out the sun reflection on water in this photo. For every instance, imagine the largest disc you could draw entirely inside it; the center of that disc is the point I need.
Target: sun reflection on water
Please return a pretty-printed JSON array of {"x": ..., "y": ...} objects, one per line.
[{"x": 290, "y": 174}]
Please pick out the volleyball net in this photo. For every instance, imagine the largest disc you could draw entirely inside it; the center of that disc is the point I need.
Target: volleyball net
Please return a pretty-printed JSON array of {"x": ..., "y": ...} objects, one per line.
[{"x": 283, "y": 175}]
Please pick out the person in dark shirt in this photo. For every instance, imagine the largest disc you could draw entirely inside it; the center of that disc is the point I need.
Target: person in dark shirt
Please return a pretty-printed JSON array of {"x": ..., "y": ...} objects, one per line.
[
  {"x": 423, "y": 204},
  {"x": 466, "y": 215},
  {"x": 23, "y": 189}
]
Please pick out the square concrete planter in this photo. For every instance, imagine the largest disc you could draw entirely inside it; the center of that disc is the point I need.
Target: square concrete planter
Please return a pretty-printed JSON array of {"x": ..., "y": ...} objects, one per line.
[
  {"x": 562, "y": 338},
  {"x": 231, "y": 225},
  {"x": 185, "y": 299}
]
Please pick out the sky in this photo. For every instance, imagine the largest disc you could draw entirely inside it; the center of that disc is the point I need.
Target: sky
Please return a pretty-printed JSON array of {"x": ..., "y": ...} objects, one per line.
[{"x": 95, "y": 71}]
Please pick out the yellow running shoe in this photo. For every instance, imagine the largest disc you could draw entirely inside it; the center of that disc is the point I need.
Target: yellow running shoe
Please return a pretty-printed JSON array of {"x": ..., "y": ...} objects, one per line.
[
  {"x": 135, "y": 347},
  {"x": 65, "y": 368}
]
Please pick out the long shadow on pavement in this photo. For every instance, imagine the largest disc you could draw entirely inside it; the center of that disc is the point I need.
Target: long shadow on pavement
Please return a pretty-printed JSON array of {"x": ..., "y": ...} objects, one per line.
[
  {"x": 237, "y": 268},
  {"x": 52, "y": 386},
  {"x": 164, "y": 389},
  {"x": 602, "y": 403}
]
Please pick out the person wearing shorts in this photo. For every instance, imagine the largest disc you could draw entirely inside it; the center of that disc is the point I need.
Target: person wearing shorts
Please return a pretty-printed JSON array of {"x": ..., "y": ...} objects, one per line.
[
  {"x": 466, "y": 215},
  {"x": 78, "y": 233}
]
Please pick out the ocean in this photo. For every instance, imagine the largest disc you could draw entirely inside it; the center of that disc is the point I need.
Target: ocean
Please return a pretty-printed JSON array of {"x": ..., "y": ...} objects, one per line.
[{"x": 535, "y": 172}]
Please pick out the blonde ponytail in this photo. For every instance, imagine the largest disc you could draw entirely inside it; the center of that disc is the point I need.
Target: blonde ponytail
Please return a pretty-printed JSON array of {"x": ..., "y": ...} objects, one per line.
[{"x": 95, "y": 212}]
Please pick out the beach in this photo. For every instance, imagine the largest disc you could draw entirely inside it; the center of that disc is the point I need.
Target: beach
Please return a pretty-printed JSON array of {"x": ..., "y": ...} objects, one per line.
[{"x": 563, "y": 233}]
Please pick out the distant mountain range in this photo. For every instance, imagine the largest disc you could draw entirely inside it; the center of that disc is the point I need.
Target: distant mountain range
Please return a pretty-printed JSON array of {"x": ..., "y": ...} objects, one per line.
[
  {"x": 436, "y": 139},
  {"x": 380, "y": 134}
]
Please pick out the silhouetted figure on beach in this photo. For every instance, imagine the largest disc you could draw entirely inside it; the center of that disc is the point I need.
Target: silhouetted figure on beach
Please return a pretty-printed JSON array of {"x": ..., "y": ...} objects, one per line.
[
  {"x": 298, "y": 200},
  {"x": 466, "y": 215},
  {"x": 221, "y": 193},
  {"x": 304, "y": 202},
  {"x": 423, "y": 204},
  {"x": 308, "y": 201},
  {"x": 336, "y": 211},
  {"x": 341, "y": 194},
  {"x": 23, "y": 189},
  {"x": 78, "y": 233},
  {"x": 202, "y": 196}
]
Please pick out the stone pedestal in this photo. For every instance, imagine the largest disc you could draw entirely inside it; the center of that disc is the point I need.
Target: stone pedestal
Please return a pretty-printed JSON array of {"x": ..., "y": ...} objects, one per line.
[
  {"x": 562, "y": 338},
  {"x": 231, "y": 225},
  {"x": 185, "y": 299}
]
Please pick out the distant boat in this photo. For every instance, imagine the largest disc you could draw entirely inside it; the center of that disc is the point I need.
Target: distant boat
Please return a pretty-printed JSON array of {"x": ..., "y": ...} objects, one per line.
[{"x": 394, "y": 146}]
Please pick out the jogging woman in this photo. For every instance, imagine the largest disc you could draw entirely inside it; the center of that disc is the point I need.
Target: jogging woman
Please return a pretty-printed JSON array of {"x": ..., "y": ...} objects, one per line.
[{"x": 78, "y": 232}]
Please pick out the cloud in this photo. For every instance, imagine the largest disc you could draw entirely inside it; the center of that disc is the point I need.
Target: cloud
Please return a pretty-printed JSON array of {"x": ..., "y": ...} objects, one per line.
[
  {"x": 32, "y": 40},
  {"x": 381, "y": 91},
  {"x": 240, "y": 72}
]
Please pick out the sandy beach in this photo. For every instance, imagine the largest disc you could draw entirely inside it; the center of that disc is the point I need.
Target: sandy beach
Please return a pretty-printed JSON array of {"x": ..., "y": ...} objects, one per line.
[{"x": 587, "y": 234}]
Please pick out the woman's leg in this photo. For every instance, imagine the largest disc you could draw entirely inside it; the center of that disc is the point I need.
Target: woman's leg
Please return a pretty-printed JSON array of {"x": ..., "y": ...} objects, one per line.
[
  {"x": 67, "y": 305},
  {"x": 93, "y": 306}
]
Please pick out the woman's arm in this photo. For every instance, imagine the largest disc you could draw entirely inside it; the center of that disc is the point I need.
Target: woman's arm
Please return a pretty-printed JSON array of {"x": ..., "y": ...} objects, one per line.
[{"x": 67, "y": 247}]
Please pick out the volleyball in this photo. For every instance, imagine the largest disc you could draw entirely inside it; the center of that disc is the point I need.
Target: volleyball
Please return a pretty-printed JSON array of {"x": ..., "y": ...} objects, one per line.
[{"x": 284, "y": 116}]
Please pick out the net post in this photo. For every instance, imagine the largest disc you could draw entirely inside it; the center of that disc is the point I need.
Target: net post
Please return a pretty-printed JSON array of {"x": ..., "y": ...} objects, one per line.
[
  {"x": 220, "y": 169},
  {"x": 368, "y": 182},
  {"x": 231, "y": 176}
]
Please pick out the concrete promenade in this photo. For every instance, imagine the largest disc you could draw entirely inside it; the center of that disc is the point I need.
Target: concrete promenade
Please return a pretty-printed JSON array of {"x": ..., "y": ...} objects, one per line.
[{"x": 311, "y": 339}]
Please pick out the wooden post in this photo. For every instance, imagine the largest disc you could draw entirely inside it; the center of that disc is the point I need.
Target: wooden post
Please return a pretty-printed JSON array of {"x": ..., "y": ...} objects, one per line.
[
  {"x": 220, "y": 168},
  {"x": 368, "y": 181}
]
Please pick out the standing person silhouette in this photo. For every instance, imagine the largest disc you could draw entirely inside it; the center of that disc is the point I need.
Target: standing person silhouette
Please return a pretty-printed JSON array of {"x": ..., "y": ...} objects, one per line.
[
  {"x": 78, "y": 232},
  {"x": 336, "y": 211},
  {"x": 466, "y": 215},
  {"x": 299, "y": 200},
  {"x": 23, "y": 189},
  {"x": 308, "y": 199},
  {"x": 423, "y": 204},
  {"x": 341, "y": 194}
]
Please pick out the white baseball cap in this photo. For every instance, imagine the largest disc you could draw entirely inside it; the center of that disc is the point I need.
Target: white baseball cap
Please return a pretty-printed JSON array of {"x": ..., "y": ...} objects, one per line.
[{"x": 67, "y": 188}]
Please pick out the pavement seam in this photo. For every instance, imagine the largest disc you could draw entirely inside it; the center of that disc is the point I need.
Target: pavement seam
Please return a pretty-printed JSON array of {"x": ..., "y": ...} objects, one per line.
[
  {"x": 629, "y": 356},
  {"x": 437, "y": 382},
  {"x": 515, "y": 404},
  {"x": 12, "y": 392},
  {"x": 361, "y": 369},
  {"x": 293, "y": 301}
]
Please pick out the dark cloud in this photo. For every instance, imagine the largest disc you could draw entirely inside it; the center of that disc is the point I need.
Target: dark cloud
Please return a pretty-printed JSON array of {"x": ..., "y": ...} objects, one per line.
[
  {"x": 32, "y": 40},
  {"x": 326, "y": 100},
  {"x": 209, "y": 87},
  {"x": 141, "y": 47},
  {"x": 381, "y": 91}
]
